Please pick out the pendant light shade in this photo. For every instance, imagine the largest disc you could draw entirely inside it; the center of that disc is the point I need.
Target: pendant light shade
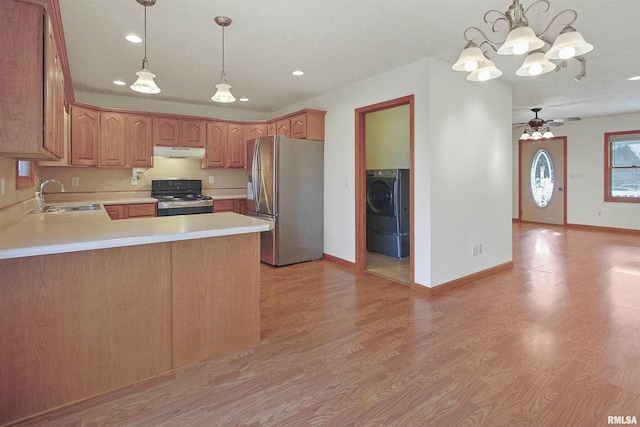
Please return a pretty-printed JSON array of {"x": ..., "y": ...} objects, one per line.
[
  {"x": 568, "y": 44},
  {"x": 223, "y": 93},
  {"x": 145, "y": 82},
  {"x": 520, "y": 41},
  {"x": 535, "y": 64},
  {"x": 469, "y": 59},
  {"x": 484, "y": 73}
]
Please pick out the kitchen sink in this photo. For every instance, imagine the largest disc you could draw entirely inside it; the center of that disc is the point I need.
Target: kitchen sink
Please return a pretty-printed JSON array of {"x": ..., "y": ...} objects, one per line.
[{"x": 71, "y": 208}]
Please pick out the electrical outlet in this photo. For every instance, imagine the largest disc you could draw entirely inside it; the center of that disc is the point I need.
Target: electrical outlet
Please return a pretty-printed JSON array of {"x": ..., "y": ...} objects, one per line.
[
  {"x": 75, "y": 181},
  {"x": 134, "y": 180},
  {"x": 476, "y": 250},
  {"x": 3, "y": 187},
  {"x": 211, "y": 180}
]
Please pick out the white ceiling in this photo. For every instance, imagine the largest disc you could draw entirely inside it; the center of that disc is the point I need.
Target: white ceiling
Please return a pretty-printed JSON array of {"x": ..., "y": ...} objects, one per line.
[{"x": 337, "y": 43}]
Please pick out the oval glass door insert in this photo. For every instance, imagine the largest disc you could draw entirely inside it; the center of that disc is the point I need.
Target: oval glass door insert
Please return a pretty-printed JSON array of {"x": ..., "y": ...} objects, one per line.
[{"x": 542, "y": 178}]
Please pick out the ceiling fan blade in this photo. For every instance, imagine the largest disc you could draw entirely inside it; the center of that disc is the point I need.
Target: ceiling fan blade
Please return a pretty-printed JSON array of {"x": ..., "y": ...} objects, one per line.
[
  {"x": 566, "y": 119},
  {"x": 553, "y": 123}
]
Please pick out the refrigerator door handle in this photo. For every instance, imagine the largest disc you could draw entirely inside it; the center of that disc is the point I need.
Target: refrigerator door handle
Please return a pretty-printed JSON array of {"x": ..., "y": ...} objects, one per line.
[{"x": 255, "y": 171}]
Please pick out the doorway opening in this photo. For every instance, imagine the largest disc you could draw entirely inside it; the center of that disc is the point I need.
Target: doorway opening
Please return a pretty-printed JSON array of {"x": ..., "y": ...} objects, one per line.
[{"x": 384, "y": 189}]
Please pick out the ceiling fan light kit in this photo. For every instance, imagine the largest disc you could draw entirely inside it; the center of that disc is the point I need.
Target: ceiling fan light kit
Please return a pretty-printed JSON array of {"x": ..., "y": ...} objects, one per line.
[
  {"x": 145, "y": 82},
  {"x": 223, "y": 93},
  {"x": 522, "y": 39}
]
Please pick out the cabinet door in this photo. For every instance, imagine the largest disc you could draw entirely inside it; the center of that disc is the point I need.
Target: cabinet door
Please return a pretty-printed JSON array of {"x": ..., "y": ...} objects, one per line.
[
  {"x": 138, "y": 142},
  {"x": 50, "y": 91},
  {"x": 166, "y": 132},
  {"x": 299, "y": 126},
  {"x": 141, "y": 210},
  {"x": 240, "y": 206},
  {"x": 112, "y": 139},
  {"x": 194, "y": 133},
  {"x": 283, "y": 127},
  {"x": 21, "y": 65},
  {"x": 225, "y": 205},
  {"x": 85, "y": 135},
  {"x": 253, "y": 130},
  {"x": 236, "y": 146},
  {"x": 116, "y": 211},
  {"x": 271, "y": 128},
  {"x": 216, "y": 145}
]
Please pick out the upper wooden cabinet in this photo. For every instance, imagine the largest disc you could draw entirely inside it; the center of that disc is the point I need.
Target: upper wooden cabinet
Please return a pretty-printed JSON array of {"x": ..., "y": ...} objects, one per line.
[
  {"x": 170, "y": 132},
  {"x": 226, "y": 145},
  {"x": 138, "y": 140},
  {"x": 30, "y": 97},
  {"x": 109, "y": 139},
  {"x": 307, "y": 124},
  {"x": 85, "y": 136},
  {"x": 112, "y": 140},
  {"x": 255, "y": 130}
]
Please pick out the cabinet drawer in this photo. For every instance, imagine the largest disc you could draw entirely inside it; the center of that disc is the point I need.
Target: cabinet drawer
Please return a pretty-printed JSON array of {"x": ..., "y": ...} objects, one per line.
[{"x": 147, "y": 209}]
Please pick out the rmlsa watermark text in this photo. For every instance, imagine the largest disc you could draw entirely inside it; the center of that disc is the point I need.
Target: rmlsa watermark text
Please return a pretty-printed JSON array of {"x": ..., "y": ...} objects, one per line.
[{"x": 622, "y": 419}]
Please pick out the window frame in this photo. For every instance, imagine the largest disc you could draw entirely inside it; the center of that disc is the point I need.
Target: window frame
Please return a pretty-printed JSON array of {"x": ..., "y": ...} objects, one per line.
[
  {"x": 25, "y": 181},
  {"x": 608, "y": 197}
]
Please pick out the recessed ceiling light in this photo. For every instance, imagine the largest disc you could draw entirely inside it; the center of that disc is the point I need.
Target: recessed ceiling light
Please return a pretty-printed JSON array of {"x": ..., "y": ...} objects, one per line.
[
  {"x": 244, "y": 99},
  {"x": 634, "y": 78},
  {"x": 133, "y": 38},
  {"x": 298, "y": 73},
  {"x": 119, "y": 82}
]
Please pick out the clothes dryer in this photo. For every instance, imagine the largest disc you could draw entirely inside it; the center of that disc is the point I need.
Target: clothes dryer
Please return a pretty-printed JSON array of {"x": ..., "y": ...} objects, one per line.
[{"x": 388, "y": 212}]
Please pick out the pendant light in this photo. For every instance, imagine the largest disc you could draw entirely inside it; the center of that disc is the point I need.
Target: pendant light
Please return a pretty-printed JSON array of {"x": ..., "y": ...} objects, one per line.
[
  {"x": 145, "y": 82},
  {"x": 223, "y": 92}
]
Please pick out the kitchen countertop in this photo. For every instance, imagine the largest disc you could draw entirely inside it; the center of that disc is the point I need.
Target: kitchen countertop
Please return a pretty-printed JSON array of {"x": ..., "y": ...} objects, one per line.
[{"x": 52, "y": 233}]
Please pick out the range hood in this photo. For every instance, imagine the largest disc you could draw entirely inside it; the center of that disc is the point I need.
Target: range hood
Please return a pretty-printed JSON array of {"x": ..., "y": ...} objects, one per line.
[{"x": 178, "y": 152}]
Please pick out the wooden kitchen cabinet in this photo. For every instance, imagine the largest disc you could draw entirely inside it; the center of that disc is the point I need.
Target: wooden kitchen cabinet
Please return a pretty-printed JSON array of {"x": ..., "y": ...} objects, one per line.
[
  {"x": 236, "y": 146},
  {"x": 226, "y": 145},
  {"x": 135, "y": 210},
  {"x": 30, "y": 120},
  {"x": 255, "y": 130},
  {"x": 307, "y": 124},
  {"x": 230, "y": 205},
  {"x": 138, "y": 140},
  {"x": 170, "y": 132},
  {"x": 85, "y": 136},
  {"x": 112, "y": 140}
]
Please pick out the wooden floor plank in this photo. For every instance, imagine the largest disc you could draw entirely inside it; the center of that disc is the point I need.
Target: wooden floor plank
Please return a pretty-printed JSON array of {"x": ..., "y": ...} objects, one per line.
[{"x": 554, "y": 341}]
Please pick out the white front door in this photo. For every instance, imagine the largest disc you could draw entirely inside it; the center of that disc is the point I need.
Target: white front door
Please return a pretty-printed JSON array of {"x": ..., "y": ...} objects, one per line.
[{"x": 542, "y": 181}]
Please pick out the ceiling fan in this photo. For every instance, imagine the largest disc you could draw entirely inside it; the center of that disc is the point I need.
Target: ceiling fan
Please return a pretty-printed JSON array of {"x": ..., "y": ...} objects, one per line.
[{"x": 537, "y": 126}]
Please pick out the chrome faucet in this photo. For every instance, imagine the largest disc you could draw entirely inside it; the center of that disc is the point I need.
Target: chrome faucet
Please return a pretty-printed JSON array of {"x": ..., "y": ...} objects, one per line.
[{"x": 40, "y": 198}]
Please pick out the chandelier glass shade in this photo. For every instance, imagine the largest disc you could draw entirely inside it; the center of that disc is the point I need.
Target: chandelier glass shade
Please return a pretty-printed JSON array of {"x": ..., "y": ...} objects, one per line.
[
  {"x": 521, "y": 39},
  {"x": 536, "y": 134},
  {"x": 223, "y": 93},
  {"x": 145, "y": 82}
]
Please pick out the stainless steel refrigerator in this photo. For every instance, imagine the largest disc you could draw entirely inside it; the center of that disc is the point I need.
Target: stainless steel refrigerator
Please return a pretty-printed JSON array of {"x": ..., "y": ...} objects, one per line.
[{"x": 285, "y": 186}]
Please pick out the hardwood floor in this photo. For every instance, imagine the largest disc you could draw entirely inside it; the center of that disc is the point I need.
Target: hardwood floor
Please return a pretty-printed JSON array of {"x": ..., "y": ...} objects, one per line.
[
  {"x": 553, "y": 342},
  {"x": 393, "y": 268}
]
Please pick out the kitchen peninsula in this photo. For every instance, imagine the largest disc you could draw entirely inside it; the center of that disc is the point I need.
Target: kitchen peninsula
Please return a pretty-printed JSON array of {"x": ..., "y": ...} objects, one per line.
[{"x": 89, "y": 305}]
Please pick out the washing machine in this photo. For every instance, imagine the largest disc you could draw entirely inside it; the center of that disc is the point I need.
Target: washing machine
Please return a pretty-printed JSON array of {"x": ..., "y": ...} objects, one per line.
[{"x": 388, "y": 212}]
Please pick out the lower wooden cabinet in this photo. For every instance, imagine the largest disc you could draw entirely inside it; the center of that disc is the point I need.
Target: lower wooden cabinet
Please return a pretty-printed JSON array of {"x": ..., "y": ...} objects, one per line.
[
  {"x": 230, "y": 205},
  {"x": 137, "y": 210}
]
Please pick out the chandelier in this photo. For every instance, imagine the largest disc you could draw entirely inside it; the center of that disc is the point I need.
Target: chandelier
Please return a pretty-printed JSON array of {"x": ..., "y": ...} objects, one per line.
[{"x": 522, "y": 39}]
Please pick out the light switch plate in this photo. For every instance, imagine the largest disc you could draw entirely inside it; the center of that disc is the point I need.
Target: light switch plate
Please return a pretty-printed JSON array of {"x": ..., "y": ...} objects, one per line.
[
  {"x": 75, "y": 181},
  {"x": 211, "y": 180}
]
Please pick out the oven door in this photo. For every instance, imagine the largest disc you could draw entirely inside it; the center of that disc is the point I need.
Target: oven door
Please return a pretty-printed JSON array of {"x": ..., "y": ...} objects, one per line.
[{"x": 184, "y": 208}]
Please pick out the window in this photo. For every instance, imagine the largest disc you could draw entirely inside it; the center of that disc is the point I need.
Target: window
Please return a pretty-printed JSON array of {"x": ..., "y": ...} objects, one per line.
[
  {"x": 542, "y": 179},
  {"x": 622, "y": 166},
  {"x": 24, "y": 175}
]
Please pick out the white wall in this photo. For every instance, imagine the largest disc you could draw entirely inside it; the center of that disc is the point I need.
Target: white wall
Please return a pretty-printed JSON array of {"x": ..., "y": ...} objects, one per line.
[
  {"x": 462, "y": 167},
  {"x": 585, "y": 172}
]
